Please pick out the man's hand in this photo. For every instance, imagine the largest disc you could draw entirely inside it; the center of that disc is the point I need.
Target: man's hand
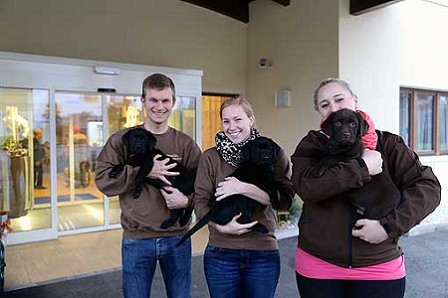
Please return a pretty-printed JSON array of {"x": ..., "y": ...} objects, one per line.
[
  {"x": 161, "y": 168},
  {"x": 174, "y": 198},
  {"x": 370, "y": 231},
  {"x": 233, "y": 227}
]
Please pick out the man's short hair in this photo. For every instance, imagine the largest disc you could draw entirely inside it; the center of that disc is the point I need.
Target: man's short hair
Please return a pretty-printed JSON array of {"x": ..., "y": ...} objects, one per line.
[{"x": 158, "y": 81}]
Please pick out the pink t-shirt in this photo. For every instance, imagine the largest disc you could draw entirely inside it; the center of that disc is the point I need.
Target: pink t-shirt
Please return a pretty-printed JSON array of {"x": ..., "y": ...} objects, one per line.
[{"x": 312, "y": 267}]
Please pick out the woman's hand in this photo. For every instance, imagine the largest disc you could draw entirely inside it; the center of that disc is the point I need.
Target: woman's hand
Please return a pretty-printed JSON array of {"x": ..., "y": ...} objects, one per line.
[
  {"x": 161, "y": 168},
  {"x": 228, "y": 187},
  {"x": 370, "y": 231},
  {"x": 373, "y": 161},
  {"x": 233, "y": 227},
  {"x": 232, "y": 185}
]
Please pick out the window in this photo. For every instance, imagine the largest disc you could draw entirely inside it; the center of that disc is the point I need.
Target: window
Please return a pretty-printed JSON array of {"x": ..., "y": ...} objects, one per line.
[
  {"x": 25, "y": 134},
  {"x": 424, "y": 120},
  {"x": 211, "y": 120}
]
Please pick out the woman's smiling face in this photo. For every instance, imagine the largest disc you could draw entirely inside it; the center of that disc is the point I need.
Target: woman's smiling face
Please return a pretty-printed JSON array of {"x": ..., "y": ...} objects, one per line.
[
  {"x": 333, "y": 97},
  {"x": 236, "y": 124}
]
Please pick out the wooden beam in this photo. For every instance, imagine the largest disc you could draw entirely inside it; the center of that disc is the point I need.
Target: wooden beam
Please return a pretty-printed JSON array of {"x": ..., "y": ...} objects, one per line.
[
  {"x": 283, "y": 2},
  {"x": 358, "y": 7},
  {"x": 236, "y": 9}
]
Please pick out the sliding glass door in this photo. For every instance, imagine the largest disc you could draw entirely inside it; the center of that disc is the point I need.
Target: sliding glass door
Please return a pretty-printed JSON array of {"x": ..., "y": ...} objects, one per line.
[
  {"x": 79, "y": 119},
  {"x": 25, "y": 158}
]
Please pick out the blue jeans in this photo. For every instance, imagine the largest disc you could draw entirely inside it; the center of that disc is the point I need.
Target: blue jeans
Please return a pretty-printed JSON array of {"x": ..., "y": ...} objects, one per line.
[
  {"x": 233, "y": 273},
  {"x": 324, "y": 288},
  {"x": 139, "y": 259}
]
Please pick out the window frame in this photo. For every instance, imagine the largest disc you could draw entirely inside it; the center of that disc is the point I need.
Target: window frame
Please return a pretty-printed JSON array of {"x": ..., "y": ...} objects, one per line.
[{"x": 413, "y": 123}]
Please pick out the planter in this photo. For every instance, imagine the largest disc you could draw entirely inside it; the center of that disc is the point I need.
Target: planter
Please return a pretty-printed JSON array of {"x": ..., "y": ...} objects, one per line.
[{"x": 21, "y": 182}]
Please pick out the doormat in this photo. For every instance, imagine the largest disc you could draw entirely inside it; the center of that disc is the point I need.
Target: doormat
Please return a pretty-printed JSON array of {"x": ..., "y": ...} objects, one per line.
[{"x": 65, "y": 198}]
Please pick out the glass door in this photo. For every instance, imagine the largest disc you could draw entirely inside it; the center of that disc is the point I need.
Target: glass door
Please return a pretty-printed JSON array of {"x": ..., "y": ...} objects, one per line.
[
  {"x": 79, "y": 119},
  {"x": 80, "y": 136},
  {"x": 51, "y": 135},
  {"x": 25, "y": 161},
  {"x": 61, "y": 197},
  {"x": 122, "y": 111}
]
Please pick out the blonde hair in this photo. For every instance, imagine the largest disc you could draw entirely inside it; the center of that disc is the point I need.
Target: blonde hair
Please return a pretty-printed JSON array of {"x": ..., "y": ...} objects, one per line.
[{"x": 237, "y": 100}]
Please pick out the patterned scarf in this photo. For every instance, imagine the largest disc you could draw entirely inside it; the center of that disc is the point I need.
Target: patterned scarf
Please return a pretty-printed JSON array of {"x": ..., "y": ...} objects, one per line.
[{"x": 230, "y": 151}]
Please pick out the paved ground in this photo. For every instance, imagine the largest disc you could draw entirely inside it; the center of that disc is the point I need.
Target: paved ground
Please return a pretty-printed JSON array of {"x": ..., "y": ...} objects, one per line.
[{"x": 426, "y": 261}]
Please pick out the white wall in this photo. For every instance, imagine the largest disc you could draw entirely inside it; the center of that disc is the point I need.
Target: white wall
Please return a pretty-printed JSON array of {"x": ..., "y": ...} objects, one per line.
[
  {"x": 424, "y": 60},
  {"x": 424, "y": 55},
  {"x": 301, "y": 40},
  {"x": 168, "y": 33},
  {"x": 369, "y": 59},
  {"x": 405, "y": 44}
]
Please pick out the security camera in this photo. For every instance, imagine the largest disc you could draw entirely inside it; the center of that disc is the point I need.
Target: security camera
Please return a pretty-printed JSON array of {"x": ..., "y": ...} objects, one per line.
[{"x": 263, "y": 62}]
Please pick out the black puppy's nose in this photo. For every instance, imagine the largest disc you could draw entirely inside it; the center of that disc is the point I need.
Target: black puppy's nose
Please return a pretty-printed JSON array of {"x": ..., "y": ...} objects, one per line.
[{"x": 346, "y": 134}]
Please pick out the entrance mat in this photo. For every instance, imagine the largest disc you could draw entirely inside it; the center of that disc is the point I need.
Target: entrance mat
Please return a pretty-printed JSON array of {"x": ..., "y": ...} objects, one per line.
[{"x": 65, "y": 198}]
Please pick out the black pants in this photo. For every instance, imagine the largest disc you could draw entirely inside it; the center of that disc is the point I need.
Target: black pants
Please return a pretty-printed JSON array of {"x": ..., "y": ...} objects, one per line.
[
  {"x": 38, "y": 175},
  {"x": 333, "y": 288}
]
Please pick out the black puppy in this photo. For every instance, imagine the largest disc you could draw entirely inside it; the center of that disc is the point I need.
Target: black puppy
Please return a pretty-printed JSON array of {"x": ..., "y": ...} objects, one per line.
[
  {"x": 140, "y": 146},
  {"x": 257, "y": 168},
  {"x": 345, "y": 129}
]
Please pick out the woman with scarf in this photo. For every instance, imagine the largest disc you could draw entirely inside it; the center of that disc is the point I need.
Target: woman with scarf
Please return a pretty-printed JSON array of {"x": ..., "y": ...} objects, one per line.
[
  {"x": 334, "y": 258},
  {"x": 239, "y": 262}
]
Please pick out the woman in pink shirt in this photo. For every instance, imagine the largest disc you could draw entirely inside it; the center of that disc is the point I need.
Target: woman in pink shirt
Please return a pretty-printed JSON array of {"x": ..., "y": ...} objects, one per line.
[{"x": 339, "y": 253}]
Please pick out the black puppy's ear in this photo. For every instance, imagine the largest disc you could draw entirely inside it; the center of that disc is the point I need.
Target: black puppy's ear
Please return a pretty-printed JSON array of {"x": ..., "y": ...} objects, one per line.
[
  {"x": 126, "y": 138},
  {"x": 151, "y": 140},
  {"x": 276, "y": 148},
  {"x": 363, "y": 125},
  {"x": 246, "y": 151},
  {"x": 327, "y": 125}
]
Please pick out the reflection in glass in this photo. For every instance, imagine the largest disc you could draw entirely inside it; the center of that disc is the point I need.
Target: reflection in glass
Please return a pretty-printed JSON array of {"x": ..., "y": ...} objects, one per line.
[
  {"x": 443, "y": 122},
  {"x": 80, "y": 136},
  {"x": 183, "y": 116},
  {"x": 127, "y": 111},
  {"x": 25, "y": 162},
  {"x": 405, "y": 111},
  {"x": 425, "y": 120},
  {"x": 78, "y": 141},
  {"x": 122, "y": 111}
]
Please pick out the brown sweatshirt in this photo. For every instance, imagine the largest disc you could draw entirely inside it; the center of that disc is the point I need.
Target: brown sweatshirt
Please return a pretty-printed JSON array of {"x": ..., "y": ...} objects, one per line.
[
  {"x": 327, "y": 217},
  {"x": 141, "y": 218},
  {"x": 212, "y": 170}
]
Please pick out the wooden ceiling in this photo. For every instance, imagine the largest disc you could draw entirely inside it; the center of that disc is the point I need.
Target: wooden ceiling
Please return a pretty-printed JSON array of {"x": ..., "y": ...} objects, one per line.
[
  {"x": 358, "y": 7},
  {"x": 239, "y": 9}
]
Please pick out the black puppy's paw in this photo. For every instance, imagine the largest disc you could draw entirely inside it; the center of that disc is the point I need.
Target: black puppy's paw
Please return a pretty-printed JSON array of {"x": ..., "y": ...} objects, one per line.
[{"x": 115, "y": 171}]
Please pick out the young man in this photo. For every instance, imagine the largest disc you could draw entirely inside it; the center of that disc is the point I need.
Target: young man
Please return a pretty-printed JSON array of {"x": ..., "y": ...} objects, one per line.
[{"x": 144, "y": 242}]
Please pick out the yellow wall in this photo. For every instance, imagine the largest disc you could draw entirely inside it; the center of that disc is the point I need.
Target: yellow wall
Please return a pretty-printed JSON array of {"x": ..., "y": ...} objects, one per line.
[
  {"x": 152, "y": 32},
  {"x": 172, "y": 33},
  {"x": 301, "y": 40}
]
